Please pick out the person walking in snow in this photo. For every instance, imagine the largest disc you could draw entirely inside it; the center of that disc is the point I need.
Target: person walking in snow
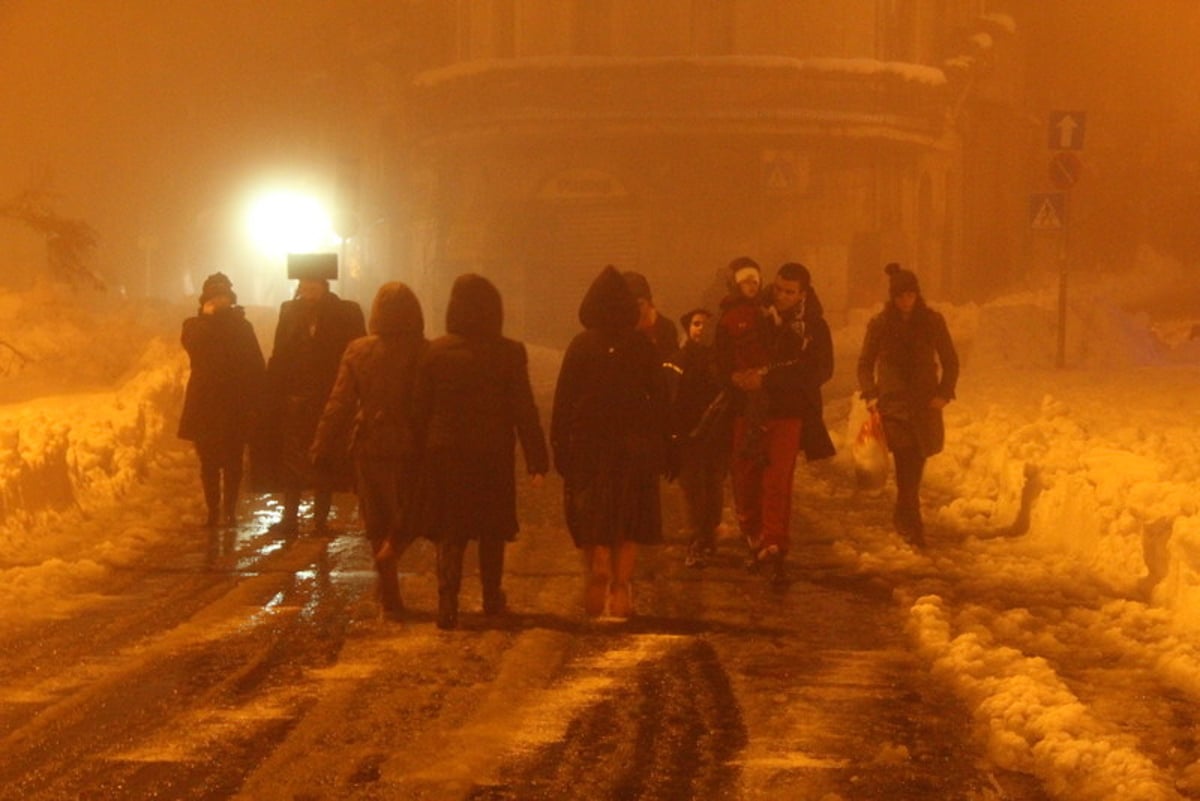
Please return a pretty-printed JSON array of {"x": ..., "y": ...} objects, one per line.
[
  {"x": 313, "y": 330},
  {"x": 799, "y": 360},
  {"x": 908, "y": 369},
  {"x": 744, "y": 337},
  {"x": 473, "y": 402},
  {"x": 702, "y": 448},
  {"x": 370, "y": 407},
  {"x": 608, "y": 433},
  {"x": 226, "y": 375}
]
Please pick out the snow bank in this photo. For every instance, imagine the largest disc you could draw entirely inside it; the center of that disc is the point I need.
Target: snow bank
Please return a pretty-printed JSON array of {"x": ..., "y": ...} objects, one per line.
[{"x": 66, "y": 457}]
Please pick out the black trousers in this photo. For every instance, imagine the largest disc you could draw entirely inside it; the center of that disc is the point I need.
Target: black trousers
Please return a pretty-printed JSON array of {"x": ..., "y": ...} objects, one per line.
[
  {"x": 450, "y": 552},
  {"x": 910, "y": 467},
  {"x": 220, "y": 469}
]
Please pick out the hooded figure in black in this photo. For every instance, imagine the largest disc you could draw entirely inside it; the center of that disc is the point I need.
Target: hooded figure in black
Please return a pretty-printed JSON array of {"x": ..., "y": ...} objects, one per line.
[
  {"x": 909, "y": 369},
  {"x": 370, "y": 412},
  {"x": 226, "y": 376},
  {"x": 473, "y": 402},
  {"x": 609, "y": 431}
]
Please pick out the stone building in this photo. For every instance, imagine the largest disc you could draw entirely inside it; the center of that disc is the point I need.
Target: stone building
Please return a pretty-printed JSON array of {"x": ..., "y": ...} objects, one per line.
[{"x": 535, "y": 141}]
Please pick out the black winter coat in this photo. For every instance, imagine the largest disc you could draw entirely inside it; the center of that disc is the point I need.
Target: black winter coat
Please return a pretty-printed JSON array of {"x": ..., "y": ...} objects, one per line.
[
  {"x": 473, "y": 403},
  {"x": 309, "y": 341},
  {"x": 227, "y": 372},
  {"x": 904, "y": 364},
  {"x": 609, "y": 427}
]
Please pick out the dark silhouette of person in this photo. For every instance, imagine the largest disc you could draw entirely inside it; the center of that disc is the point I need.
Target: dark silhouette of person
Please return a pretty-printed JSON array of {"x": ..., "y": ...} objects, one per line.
[
  {"x": 473, "y": 403},
  {"x": 908, "y": 369},
  {"x": 609, "y": 431},
  {"x": 313, "y": 330},
  {"x": 370, "y": 409},
  {"x": 226, "y": 377}
]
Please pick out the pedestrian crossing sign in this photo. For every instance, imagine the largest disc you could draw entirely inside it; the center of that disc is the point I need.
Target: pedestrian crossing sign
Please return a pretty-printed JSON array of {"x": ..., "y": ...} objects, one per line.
[{"x": 1048, "y": 211}]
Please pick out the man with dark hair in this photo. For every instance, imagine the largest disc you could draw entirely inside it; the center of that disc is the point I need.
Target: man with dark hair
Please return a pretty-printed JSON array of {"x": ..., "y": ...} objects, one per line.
[{"x": 801, "y": 361}]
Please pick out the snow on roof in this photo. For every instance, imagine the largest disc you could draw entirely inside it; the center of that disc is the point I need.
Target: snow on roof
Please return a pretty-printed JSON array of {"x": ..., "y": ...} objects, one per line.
[{"x": 914, "y": 73}]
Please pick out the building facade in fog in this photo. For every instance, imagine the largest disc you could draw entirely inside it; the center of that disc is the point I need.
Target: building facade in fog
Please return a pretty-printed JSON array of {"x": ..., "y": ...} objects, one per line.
[{"x": 537, "y": 140}]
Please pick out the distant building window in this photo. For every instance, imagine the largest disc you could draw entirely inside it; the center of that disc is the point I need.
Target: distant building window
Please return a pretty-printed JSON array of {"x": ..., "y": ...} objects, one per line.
[{"x": 591, "y": 31}]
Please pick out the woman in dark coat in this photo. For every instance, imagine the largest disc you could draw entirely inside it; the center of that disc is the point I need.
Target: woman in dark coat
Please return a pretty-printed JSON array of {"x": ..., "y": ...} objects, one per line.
[
  {"x": 608, "y": 433},
  {"x": 473, "y": 402},
  {"x": 909, "y": 369},
  {"x": 226, "y": 374},
  {"x": 370, "y": 409}
]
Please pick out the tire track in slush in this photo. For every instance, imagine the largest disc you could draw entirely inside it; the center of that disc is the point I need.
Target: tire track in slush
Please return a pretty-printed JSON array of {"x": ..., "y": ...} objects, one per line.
[
  {"x": 669, "y": 729},
  {"x": 184, "y": 712}
]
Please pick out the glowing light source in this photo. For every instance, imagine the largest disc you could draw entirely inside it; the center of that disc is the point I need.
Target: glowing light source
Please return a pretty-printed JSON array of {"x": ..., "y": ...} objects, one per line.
[{"x": 283, "y": 222}]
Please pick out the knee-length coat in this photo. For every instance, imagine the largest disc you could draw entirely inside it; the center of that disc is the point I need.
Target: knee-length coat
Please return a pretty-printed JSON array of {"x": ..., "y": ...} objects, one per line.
[
  {"x": 472, "y": 403},
  {"x": 227, "y": 373},
  {"x": 609, "y": 426}
]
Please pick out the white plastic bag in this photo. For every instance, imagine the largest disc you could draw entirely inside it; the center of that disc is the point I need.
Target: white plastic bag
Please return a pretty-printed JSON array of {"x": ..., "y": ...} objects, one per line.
[{"x": 870, "y": 450}]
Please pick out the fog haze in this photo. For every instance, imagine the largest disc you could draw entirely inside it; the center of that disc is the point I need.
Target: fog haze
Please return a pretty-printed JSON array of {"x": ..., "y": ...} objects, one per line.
[{"x": 146, "y": 119}]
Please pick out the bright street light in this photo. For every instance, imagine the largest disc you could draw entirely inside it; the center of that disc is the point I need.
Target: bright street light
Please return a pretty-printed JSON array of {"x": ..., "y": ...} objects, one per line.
[{"x": 282, "y": 222}]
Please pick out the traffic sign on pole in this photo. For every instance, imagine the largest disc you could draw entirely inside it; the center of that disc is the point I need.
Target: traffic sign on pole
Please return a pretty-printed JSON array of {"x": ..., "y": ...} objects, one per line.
[
  {"x": 1065, "y": 168},
  {"x": 1066, "y": 130},
  {"x": 1047, "y": 211}
]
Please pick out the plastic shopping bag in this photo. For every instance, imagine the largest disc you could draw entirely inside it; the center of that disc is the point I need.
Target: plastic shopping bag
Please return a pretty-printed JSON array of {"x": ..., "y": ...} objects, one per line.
[{"x": 870, "y": 451}]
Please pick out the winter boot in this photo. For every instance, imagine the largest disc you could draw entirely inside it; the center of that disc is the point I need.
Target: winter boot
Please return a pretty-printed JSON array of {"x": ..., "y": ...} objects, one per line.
[{"x": 447, "y": 617}]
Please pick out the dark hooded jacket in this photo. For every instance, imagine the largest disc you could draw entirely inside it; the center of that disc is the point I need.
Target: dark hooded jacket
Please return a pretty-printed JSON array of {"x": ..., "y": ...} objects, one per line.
[
  {"x": 473, "y": 402},
  {"x": 226, "y": 376},
  {"x": 904, "y": 364},
  {"x": 369, "y": 410},
  {"x": 609, "y": 426}
]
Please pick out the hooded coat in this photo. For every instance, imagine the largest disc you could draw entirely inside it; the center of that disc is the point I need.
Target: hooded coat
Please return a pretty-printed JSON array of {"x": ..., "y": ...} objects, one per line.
[
  {"x": 609, "y": 426},
  {"x": 473, "y": 402},
  {"x": 369, "y": 410},
  {"x": 904, "y": 364},
  {"x": 227, "y": 371}
]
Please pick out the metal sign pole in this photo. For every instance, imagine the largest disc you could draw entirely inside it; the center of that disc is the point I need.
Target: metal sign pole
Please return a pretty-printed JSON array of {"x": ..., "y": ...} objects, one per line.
[{"x": 1060, "y": 358}]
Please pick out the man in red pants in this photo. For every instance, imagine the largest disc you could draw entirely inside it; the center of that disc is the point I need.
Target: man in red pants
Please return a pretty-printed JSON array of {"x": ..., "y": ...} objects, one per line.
[{"x": 801, "y": 361}]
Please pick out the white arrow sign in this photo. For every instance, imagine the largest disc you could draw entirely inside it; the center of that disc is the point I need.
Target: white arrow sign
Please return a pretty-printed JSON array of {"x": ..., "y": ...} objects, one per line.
[{"x": 1066, "y": 130}]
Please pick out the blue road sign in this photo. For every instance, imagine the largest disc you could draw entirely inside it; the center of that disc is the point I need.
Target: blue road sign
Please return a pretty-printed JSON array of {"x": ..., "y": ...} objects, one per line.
[{"x": 1066, "y": 130}]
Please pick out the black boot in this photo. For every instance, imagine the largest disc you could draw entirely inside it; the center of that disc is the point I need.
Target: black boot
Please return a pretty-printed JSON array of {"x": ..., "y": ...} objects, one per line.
[
  {"x": 289, "y": 521},
  {"x": 491, "y": 571},
  {"x": 322, "y": 503},
  {"x": 447, "y": 611},
  {"x": 210, "y": 480}
]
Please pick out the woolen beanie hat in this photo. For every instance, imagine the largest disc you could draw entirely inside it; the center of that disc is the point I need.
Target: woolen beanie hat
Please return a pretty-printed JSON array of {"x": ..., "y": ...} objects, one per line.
[
  {"x": 216, "y": 284},
  {"x": 901, "y": 280}
]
